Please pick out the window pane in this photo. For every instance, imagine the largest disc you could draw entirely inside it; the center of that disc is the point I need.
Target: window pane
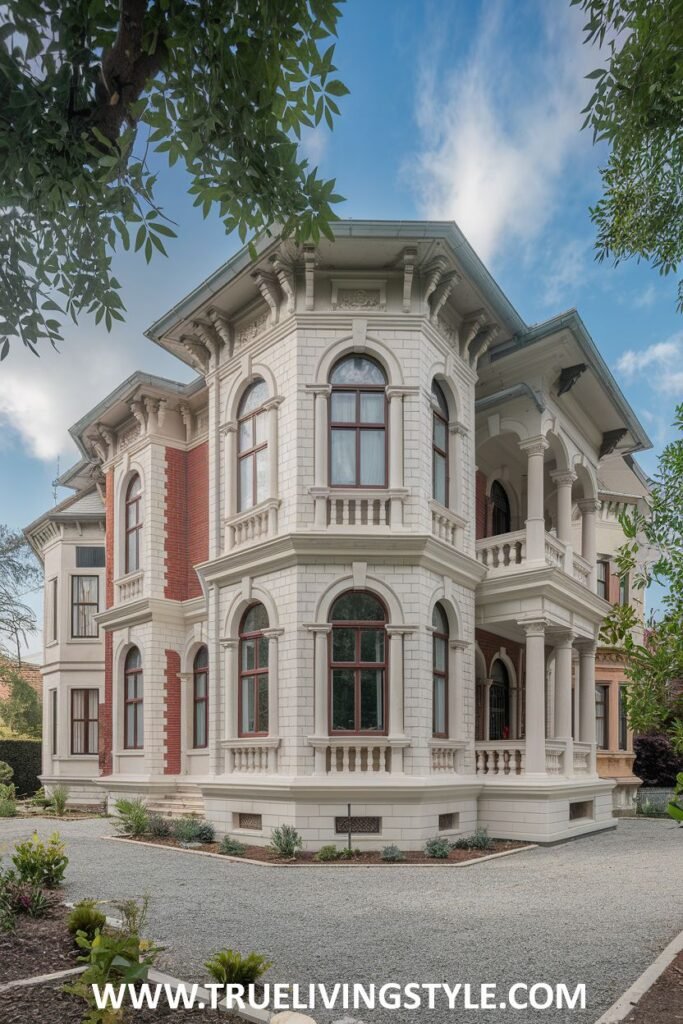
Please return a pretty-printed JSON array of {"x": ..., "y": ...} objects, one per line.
[
  {"x": 439, "y": 704},
  {"x": 372, "y": 407},
  {"x": 439, "y": 620},
  {"x": 343, "y": 645},
  {"x": 357, "y": 370},
  {"x": 253, "y": 397},
  {"x": 439, "y": 397},
  {"x": 440, "y": 433},
  {"x": 439, "y": 654},
  {"x": 263, "y": 652},
  {"x": 200, "y": 725},
  {"x": 371, "y": 699},
  {"x": 246, "y": 483},
  {"x": 246, "y": 435},
  {"x": 343, "y": 461},
  {"x": 78, "y": 733},
  {"x": 248, "y": 654},
  {"x": 354, "y": 606},
  {"x": 140, "y": 721},
  {"x": 372, "y": 457},
  {"x": 132, "y": 513},
  {"x": 343, "y": 699},
  {"x": 439, "y": 478},
  {"x": 343, "y": 407},
  {"x": 255, "y": 619},
  {"x": 263, "y": 704},
  {"x": 261, "y": 428},
  {"x": 200, "y": 685},
  {"x": 261, "y": 474},
  {"x": 130, "y": 725},
  {"x": 132, "y": 551},
  {"x": 131, "y": 687},
  {"x": 248, "y": 708},
  {"x": 92, "y": 738},
  {"x": 93, "y": 701},
  {"x": 78, "y": 703},
  {"x": 372, "y": 645}
]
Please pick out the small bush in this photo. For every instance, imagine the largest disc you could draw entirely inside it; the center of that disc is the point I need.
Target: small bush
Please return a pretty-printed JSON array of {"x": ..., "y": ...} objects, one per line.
[
  {"x": 85, "y": 917},
  {"x": 232, "y": 847},
  {"x": 229, "y": 967},
  {"x": 286, "y": 841},
  {"x": 158, "y": 826},
  {"x": 6, "y": 773},
  {"x": 133, "y": 915},
  {"x": 42, "y": 863},
  {"x": 27, "y": 898},
  {"x": 39, "y": 799},
  {"x": 437, "y": 848},
  {"x": 116, "y": 958},
  {"x": 656, "y": 763},
  {"x": 133, "y": 816},
  {"x": 8, "y": 807},
  {"x": 329, "y": 852},
  {"x": 60, "y": 795},
  {"x": 393, "y": 854},
  {"x": 480, "y": 840},
  {"x": 193, "y": 830}
]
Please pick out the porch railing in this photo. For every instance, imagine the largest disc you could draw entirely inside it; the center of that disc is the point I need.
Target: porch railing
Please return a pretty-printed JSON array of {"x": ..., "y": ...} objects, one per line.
[
  {"x": 500, "y": 757},
  {"x": 507, "y": 552}
]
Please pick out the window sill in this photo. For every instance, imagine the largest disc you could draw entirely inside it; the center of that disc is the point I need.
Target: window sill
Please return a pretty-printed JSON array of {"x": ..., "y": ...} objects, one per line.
[
  {"x": 268, "y": 742},
  {"x": 263, "y": 506}
]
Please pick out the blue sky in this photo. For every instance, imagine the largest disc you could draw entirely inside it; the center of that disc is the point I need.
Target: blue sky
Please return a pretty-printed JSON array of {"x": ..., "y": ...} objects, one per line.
[{"x": 460, "y": 110}]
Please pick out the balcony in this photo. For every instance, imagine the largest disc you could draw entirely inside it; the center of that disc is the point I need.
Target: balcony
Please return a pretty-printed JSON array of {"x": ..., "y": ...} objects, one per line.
[
  {"x": 350, "y": 509},
  {"x": 507, "y": 553},
  {"x": 129, "y": 587},
  {"x": 257, "y": 756},
  {"x": 254, "y": 525},
  {"x": 507, "y": 757}
]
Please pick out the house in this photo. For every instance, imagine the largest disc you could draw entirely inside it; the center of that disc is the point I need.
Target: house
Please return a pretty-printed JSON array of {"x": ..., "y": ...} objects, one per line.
[{"x": 354, "y": 562}]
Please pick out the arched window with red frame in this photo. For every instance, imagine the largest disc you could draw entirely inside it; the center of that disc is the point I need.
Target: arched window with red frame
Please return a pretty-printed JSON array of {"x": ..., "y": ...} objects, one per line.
[
  {"x": 133, "y": 524},
  {"x": 133, "y": 720},
  {"x": 200, "y": 698},
  {"x": 358, "y": 423},
  {"x": 439, "y": 672},
  {"x": 358, "y": 664},
  {"x": 253, "y": 677},
  {"x": 439, "y": 445},
  {"x": 252, "y": 446}
]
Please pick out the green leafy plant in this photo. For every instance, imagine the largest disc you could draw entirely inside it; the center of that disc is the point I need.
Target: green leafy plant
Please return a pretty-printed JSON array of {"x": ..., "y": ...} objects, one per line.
[
  {"x": 87, "y": 918},
  {"x": 60, "y": 795},
  {"x": 393, "y": 854},
  {"x": 286, "y": 841},
  {"x": 40, "y": 799},
  {"x": 134, "y": 914},
  {"x": 232, "y": 847},
  {"x": 111, "y": 958},
  {"x": 228, "y": 967},
  {"x": 437, "y": 848},
  {"x": 41, "y": 863},
  {"x": 133, "y": 816},
  {"x": 193, "y": 830},
  {"x": 329, "y": 852},
  {"x": 480, "y": 840},
  {"x": 159, "y": 826},
  {"x": 675, "y": 806},
  {"x": 28, "y": 898},
  {"x": 8, "y": 800},
  {"x": 6, "y": 773}
]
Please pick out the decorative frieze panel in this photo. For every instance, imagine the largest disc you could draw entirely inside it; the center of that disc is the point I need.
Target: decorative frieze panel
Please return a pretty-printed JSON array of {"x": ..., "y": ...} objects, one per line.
[
  {"x": 361, "y": 294},
  {"x": 253, "y": 329}
]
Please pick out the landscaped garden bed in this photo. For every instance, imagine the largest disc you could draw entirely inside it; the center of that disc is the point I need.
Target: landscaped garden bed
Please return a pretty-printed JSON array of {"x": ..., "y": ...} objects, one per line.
[
  {"x": 662, "y": 1003},
  {"x": 37, "y": 946}
]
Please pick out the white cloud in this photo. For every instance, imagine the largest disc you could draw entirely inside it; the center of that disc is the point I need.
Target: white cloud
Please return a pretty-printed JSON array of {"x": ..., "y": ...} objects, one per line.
[
  {"x": 646, "y": 297},
  {"x": 314, "y": 143},
  {"x": 568, "y": 268},
  {"x": 660, "y": 356},
  {"x": 500, "y": 137}
]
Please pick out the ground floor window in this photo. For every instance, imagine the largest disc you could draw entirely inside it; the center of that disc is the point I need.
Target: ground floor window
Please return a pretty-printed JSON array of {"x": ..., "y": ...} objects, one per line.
[
  {"x": 200, "y": 698},
  {"x": 133, "y": 722},
  {"x": 623, "y": 720},
  {"x": 601, "y": 723},
  {"x": 84, "y": 721},
  {"x": 358, "y": 665},
  {"x": 253, "y": 683}
]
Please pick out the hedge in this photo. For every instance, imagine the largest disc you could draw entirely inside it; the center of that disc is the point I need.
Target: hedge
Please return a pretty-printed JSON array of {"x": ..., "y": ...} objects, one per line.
[
  {"x": 657, "y": 763},
  {"x": 25, "y": 757}
]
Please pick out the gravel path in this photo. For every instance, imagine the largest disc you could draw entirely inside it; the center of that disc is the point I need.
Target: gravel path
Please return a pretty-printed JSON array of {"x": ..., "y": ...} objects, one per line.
[{"x": 594, "y": 911}]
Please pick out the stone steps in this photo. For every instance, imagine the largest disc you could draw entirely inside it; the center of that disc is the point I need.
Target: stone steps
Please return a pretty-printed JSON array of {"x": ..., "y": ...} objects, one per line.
[{"x": 185, "y": 802}]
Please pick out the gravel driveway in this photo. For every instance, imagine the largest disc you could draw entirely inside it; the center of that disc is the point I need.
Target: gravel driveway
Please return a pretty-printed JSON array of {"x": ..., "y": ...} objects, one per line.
[{"x": 594, "y": 911}]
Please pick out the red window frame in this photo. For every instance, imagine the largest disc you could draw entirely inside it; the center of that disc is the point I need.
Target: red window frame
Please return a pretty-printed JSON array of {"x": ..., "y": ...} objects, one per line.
[
  {"x": 134, "y": 742},
  {"x": 357, "y": 666},
  {"x": 259, "y": 673},
  {"x": 249, "y": 453},
  {"x": 92, "y": 695},
  {"x": 438, "y": 414},
  {"x": 133, "y": 503},
  {"x": 197, "y": 671},
  {"x": 358, "y": 426},
  {"x": 441, "y": 674}
]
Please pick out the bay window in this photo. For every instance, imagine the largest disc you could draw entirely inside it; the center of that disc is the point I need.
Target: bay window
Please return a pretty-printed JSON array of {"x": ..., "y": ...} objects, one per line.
[
  {"x": 358, "y": 424},
  {"x": 252, "y": 458},
  {"x": 84, "y": 721},
  {"x": 358, "y": 664},
  {"x": 439, "y": 672}
]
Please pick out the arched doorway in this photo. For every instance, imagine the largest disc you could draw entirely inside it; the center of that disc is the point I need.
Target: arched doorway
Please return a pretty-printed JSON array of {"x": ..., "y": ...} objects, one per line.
[
  {"x": 499, "y": 702},
  {"x": 501, "y": 519}
]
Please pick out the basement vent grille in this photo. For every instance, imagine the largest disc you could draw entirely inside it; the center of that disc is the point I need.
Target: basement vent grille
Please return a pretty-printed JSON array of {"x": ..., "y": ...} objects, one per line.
[
  {"x": 251, "y": 821},
  {"x": 447, "y": 822},
  {"x": 580, "y": 809},
  {"x": 358, "y": 825}
]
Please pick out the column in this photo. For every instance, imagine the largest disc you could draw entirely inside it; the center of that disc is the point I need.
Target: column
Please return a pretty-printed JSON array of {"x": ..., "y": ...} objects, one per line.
[
  {"x": 395, "y": 693},
  {"x": 589, "y": 508},
  {"x": 535, "y": 524},
  {"x": 563, "y": 481},
  {"x": 587, "y": 697},
  {"x": 487, "y": 709},
  {"x": 456, "y": 497},
  {"x": 535, "y": 697},
  {"x": 395, "y": 397},
  {"x": 456, "y": 690},
  {"x": 230, "y": 475},
  {"x": 321, "y": 395},
  {"x": 563, "y": 697},
  {"x": 231, "y": 676},
  {"x": 272, "y": 636},
  {"x": 320, "y": 632}
]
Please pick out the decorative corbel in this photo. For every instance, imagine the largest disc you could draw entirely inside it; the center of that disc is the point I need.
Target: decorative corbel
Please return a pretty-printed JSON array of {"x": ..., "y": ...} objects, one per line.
[
  {"x": 284, "y": 271},
  {"x": 210, "y": 338},
  {"x": 197, "y": 352},
  {"x": 163, "y": 409},
  {"x": 310, "y": 261},
  {"x": 469, "y": 329},
  {"x": 409, "y": 261},
  {"x": 268, "y": 288},
  {"x": 152, "y": 407},
  {"x": 98, "y": 447},
  {"x": 432, "y": 273},
  {"x": 482, "y": 343},
  {"x": 109, "y": 438},
  {"x": 440, "y": 294},
  {"x": 187, "y": 418},
  {"x": 223, "y": 328},
  {"x": 610, "y": 440},
  {"x": 138, "y": 411}
]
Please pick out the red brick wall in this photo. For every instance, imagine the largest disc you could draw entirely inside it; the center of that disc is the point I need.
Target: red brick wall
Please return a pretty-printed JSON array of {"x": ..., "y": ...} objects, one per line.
[
  {"x": 172, "y": 714},
  {"x": 105, "y": 711},
  {"x": 187, "y": 520},
  {"x": 491, "y": 644},
  {"x": 481, "y": 505}
]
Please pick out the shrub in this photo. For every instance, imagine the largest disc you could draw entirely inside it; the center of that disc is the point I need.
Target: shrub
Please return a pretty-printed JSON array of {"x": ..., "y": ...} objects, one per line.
[
  {"x": 85, "y": 917},
  {"x": 232, "y": 847},
  {"x": 27, "y": 898},
  {"x": 193, "y": 830},
  {"x": 133, "y": 915},
  {"x": 41, "y": 863},
  {"x": 60, "y": 795},
  {"x": 133, "y": 816},
  {"x": 656, "y": 763},
  {"x": 286, "y": 841},
  {"x": 117, "y": 959},
  {"x": 229, "y": 967},
  {"x": 39, "y": 799},
  {"x": 480, "y": 840},
  {"x": 24, "y": 757},
  {"x": 6, "y": 773},
  {"x": 329, "y": 852},
  {"x": 437, "y": 848},
  {"x": 393, "y": 854},
  {"x": 8, "y": 804},
  {"x": 158, "y": 826}
]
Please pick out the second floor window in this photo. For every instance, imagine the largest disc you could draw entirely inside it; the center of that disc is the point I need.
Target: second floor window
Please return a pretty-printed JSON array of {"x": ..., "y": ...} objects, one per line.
[
  {"x": 439, "y": 445},
  {"x": 200, "y": 698},
  {"x": 133, "y": 524},
  {"x": 358, "y": 424},
  {"x": 252, "y": 446},
  {"x": 253, "y": 683},
  {"x": 133, "y": 722},
  {"x": 440, "y": 672},
  {"x": 85, "y": 605},
  {"x": 601, "y": 713},
  {"x": 623, "y": 719},
  {"x": 603, "y": 580}
]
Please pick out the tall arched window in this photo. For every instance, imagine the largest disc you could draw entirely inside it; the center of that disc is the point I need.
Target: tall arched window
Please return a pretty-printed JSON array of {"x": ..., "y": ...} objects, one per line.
[
  {"x": 439, "y": 445},
  {"x": 440, "y": 672},
  {"x": 253, "y": 681},
  {"x": 133, "y": 524},
  {"x": 133, "y": 730},
  {"x": 358, "y": 664},
  {"x": 252, "y": 444},
  {"x": 500, "y": 510},
  {"x": 499, "y": 702},
  {"x": 200, "y": 698},
  {"x": 358, "y": 423}
]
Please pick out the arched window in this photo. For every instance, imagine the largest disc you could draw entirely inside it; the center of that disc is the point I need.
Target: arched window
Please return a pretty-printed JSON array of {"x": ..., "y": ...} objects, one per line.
[
  {"x": 358, "y": 664},
  {"x": 200, "y": 698},
  {"x": 253, "y": 682},
  {"x": 439, "y": 445},
  {"x": 252, "y": 445},
  {"x": 500, "y": 510},
  {"x": 133, "y": 731},
  {"x": 440, "y": 672},
  {"x": 499, "y": 702},
  {"x": 358, "y": 423},
  {"x": 133, "y": 524}
]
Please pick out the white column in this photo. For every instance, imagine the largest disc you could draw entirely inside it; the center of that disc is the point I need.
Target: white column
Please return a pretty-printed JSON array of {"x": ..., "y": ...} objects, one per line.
[
  {"x": 587, "y": 697},
  {"x": 456, "y": 495},
  {"x": 456, "y": 690},
  {"x": 395, "y": 397},
  {"x": 231, "y": 680},
  {"x": 321, "y": 633},
  {"x": 321, "y": 395},
  {"x": 272, "y": 636},
  {"x": 271, "y": 409},
  {"x": 395, "y": 693},
  {"x": 535, "y": 523},
  {"x": 563, "y": 697},
  {"x": 230, "y": 475},
  {"x": 563, "y": 481},
  {"x": 589, "y": 508},
  {"x": 535, "y": 697}
]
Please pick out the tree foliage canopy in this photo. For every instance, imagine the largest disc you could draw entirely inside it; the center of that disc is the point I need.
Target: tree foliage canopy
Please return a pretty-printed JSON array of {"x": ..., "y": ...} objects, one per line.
[
  {"x": 89, "y": 89},
  {"x": 20, "y": 712},
  {"x": 637, "y": 108},
  {"x": 19, "y": 575}
]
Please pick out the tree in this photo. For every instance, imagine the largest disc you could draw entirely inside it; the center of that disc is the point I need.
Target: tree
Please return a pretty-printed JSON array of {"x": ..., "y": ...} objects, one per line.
[
  {"x": 19, "y": 575},
  {"x": 88, "y": 89},
  {"x": 636, "y": 108},
  {"x": 654, "y": 701},
  {"x": 20, "y": 712}
]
